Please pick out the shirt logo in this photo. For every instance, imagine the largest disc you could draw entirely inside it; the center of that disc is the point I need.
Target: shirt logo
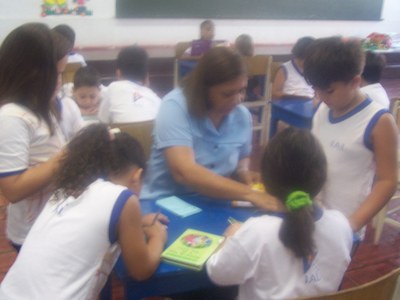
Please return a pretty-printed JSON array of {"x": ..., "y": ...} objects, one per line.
[{"x": 337, "y": 146}]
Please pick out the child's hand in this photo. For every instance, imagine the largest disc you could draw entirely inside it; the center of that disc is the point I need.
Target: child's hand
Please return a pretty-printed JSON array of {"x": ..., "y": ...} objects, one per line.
[
  {"x": 156, "y": 231},
  {"x": 232, "y": 229},
  {"x": 147, "y": 220}
]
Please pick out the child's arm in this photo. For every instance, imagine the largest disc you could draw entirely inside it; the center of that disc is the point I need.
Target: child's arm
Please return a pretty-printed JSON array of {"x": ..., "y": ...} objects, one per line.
[
  {"x": 17, "y": 187},
  {"x": 384, "y": 140},
  {"x": 277, "y": 86},
  {"x": 140, "y": 256}
]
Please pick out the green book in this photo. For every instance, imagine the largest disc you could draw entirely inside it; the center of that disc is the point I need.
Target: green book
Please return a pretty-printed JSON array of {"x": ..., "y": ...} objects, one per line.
[{"x": 192, "y": 249}]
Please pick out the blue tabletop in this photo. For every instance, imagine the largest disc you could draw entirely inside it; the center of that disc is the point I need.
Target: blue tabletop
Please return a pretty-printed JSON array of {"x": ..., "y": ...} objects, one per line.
[{"x": 168, "y": 278}]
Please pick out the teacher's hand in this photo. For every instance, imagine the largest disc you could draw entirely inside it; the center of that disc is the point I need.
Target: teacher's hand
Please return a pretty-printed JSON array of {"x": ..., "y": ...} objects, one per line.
[
  {"x": 265, "y": 201},
  {"x": 249, "y": 177}
]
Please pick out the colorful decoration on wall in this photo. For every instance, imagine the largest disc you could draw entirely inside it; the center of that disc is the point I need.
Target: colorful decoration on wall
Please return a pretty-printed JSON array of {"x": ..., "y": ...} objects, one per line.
[
  {"x": 64, "y": 7},
  {"x": 377, "y": 41}
]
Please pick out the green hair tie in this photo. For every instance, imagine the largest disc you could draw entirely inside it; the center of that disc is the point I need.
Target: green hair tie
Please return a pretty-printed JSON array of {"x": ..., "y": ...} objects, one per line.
[{"x": 297, "y": 199}]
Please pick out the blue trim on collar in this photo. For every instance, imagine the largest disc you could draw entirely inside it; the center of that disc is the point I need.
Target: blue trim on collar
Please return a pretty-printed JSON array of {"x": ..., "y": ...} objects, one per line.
[
  {"x": 116, "y": 213},
  {"x": 296, "y": 67},
  {"x": 351, "y": 113},
  {"x": 6, "y": 174},
  {"x": 371, "y": 126}
]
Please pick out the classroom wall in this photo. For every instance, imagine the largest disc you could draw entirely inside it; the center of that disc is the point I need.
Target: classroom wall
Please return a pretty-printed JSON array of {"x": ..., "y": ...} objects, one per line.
[{"x": 103, "y": 31}]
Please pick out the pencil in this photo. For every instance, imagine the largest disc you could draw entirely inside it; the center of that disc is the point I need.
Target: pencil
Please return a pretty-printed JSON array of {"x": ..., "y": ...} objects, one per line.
[{"x": 155, "y": 218}]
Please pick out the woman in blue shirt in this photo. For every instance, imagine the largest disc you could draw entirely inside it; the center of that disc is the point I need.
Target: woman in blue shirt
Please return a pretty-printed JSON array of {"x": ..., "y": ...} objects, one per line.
[{"x": 202, "y": 135}]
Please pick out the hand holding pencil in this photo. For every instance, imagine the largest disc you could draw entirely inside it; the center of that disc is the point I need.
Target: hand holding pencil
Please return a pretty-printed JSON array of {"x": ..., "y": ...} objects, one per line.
[{"x": 154, "y": 226}]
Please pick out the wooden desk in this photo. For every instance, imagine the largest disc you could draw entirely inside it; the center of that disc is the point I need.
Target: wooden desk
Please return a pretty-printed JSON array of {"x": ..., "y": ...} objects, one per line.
[
  {"x": 170, "y": 279},
  {"x": 296, "y": 112}
]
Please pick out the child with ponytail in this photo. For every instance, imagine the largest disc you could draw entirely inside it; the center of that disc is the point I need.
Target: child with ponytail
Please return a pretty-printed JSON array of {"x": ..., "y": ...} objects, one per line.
[
  {"x": 302, "y": 252},
  {"x": 94, "y": 213}
]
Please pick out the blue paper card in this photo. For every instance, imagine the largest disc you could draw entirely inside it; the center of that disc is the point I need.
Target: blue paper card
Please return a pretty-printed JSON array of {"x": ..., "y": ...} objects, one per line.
[{"x": 178, "y": 207}]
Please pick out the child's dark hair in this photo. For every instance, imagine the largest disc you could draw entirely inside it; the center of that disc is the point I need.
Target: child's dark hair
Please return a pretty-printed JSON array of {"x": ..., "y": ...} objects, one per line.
[
  {"x": 66, "y": 31},
  {"x": 331, "y": 60},
  {"x": 299, "y": 49},
  {"x": 294, "y": 161},
  {"x": 133, "y": 63},
  {"x": 374, "y": 65},
  {"x": 96, "y": 153},
  {"x": 86, "y": 76}
]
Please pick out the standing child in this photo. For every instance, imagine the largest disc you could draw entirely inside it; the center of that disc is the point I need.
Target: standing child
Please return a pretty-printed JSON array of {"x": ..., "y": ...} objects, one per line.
[
  {"x": 30, "y": 137},
  {"x": 302, "y": 253},
  {"x": 129, "y": 99},
  {"x": 75, "y": 241},
  {"x": 358, "y": 136}
]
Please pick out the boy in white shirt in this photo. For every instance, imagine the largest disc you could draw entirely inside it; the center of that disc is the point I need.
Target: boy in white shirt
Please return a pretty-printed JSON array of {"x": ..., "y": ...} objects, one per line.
[{"x": 129, "y": 99}]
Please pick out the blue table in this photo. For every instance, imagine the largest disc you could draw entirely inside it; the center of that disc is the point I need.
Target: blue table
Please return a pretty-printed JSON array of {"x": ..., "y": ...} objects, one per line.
[
  {"x": 295, "y": 112},
  {"x": 170, "y": 279}
]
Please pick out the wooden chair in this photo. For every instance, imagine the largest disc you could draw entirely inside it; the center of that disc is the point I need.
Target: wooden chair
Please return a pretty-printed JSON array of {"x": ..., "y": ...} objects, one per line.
[
  {"x": 386, "y": 213},
  {"x": 69, "y": 72},
  {"x": 180, "y": 48},
  {"x": 141, "y": 131},
  {"x": 260, "y": 65},
  {"x": 386, "y": 287}
]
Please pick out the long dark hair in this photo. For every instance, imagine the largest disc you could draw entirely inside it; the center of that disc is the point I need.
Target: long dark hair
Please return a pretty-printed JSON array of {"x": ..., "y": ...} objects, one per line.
[
  {"x": 218, "y": 65},
  {"x": 96, "y": 153},
  {"x": 28, "y": 72},
  {"x": 294, "y": 161}
]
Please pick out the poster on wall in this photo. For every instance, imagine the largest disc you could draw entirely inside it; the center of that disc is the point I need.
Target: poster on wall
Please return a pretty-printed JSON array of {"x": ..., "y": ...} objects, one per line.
[{"x": 64, "y": 7}]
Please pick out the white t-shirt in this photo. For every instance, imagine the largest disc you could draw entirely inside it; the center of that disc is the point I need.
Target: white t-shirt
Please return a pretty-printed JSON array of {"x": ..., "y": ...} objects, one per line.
[
  {"x": 125, "y": 101},
  {"x": 256, "y": 259},
  {"x": 71, "y": 119},
  {"x": 25, "y": 141},
  {"x": 346, "y": 142},
  {"x": 71, "y": 249},
  {"x": 295, "y": 83},
  {"x": 377, "y": 93}
]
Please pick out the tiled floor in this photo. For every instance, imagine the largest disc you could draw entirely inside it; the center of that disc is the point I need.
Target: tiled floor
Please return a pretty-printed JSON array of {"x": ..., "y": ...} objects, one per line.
[{"x": 370, "y": 261}]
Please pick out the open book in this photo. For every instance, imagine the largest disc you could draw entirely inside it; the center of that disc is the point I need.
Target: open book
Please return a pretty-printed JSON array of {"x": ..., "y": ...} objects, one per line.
[{"x": 192, "y": 249}]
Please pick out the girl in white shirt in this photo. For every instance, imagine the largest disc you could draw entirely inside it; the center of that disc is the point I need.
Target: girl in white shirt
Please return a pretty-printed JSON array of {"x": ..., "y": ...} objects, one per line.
[{"x": 303, "y": 252}]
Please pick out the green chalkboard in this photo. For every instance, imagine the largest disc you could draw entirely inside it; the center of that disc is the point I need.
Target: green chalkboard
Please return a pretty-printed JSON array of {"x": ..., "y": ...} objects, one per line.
[{"x": 252, "y": 9}]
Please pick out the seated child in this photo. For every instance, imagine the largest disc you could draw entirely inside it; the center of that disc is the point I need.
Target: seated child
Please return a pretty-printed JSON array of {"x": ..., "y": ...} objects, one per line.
[
  {"x": 371, "y": 76},
  {"x": 129, "y": 99},
  {"x": 358, "y": 135},
  {"x": 93, "y": 215},
  {"x": 244, "y": 45},
  {"x": 301, "y": 253},
  {"x": 289, "y": 80},
  {"x": 87, "y": 93}
]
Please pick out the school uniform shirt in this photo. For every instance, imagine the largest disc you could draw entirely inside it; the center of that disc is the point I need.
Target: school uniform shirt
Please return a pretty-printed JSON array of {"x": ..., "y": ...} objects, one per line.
[
  {"x": 256, "y": 259},
  {"x": 346, "y": 141},
  {"x": 25, "y": 142},
  {"x": 126, "y": 101},
  {"x": 295, "y": 83},
  {"x": 71, "y": 120},
  {"x": 218, "y": 150},
  {"x": 377, "y": 93},
  {"x": 72, "y": 247},
  {"x": 74, "y": 57}
]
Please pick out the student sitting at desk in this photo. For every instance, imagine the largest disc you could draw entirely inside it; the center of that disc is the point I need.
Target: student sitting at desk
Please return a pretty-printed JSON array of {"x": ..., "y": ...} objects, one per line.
[
  {"x": 358, "y": 135},
  {"x": 67, "y": 31},
  {"x": 129, "y": 99},
  {"x": 203, "y": 134},
  {"x": 303, "y": 252},
  {"x": 94, "y": 213},
  {"x": 371, "y": 77},
  {"x": 289, "y": 80},
  {"x": 87, "y": 93}
]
